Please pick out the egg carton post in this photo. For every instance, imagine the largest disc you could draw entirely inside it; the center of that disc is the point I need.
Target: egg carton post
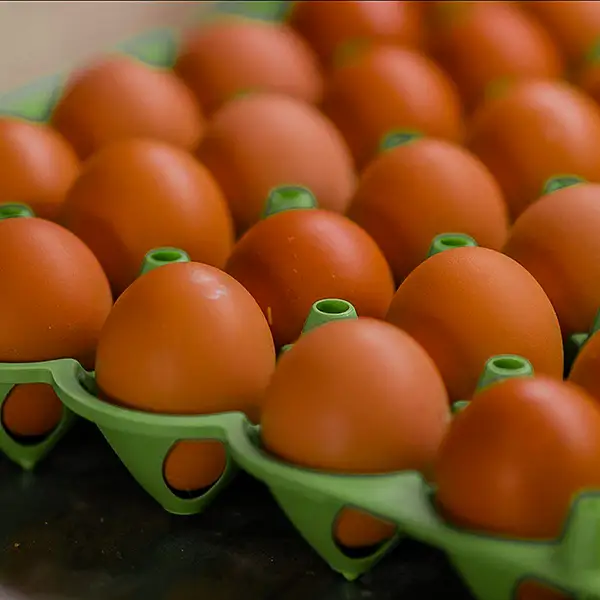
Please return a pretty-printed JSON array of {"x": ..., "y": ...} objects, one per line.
[{"x": 494, "y": 568}]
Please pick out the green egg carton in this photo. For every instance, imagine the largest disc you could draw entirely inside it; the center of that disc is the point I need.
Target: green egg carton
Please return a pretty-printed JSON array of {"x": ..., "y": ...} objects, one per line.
[{"x": 493, "y": 567}]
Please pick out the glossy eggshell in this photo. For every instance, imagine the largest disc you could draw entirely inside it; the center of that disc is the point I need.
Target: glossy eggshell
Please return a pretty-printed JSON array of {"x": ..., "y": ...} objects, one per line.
[
  {"x": 556, "y": 239},
  {"x": 513, "y": 460},
  {"x": 466, "y": 305},
  {"x": 409, "y": 194},
  {"x": 388, "y": 88},
  {"x": 489, "y": 42},
  {"x": 537, "y": 130},
  {"x": 574, "y": 25},
  {"x": 37, "y": 166},
  {"x": 329, "y": 25},
  {"x": 55, "y": 296},
  {"x": 186, "y": 338},
  {"x": 293, "y": 258},
  {"x": 54, "y": 301},
  {"x": 233, "y": 56},
  {"x": 121, "y": 97},
  {"x": 585, "y": 371},
  {"x": 135, "y": 195},
  {"x": 262, "y": 141},
  {"x": 356, "y": 396}
]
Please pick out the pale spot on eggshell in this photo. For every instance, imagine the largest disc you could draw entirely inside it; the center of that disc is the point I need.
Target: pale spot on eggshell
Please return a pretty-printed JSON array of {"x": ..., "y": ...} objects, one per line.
[{"x": 212, "y": 290}]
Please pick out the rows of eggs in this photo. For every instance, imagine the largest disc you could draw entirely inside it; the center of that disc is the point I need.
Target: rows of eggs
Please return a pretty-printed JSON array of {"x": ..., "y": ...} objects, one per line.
[{"x": 398, "y": 121}]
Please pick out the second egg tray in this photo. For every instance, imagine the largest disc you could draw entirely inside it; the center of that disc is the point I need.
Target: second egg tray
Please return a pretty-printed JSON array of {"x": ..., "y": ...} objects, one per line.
[{"x": 494, "y": 568}]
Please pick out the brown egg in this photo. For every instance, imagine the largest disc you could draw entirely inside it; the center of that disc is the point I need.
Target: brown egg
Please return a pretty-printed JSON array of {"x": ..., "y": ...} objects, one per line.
[
  {"x": 121, "y": 97},
  {"x": 186, "y": 338},
  {"x": 387, "y": 88},
  {"x": 235, "y": 55},
  {"x": 37, "y": 166},
  {"x": 139, "y": 194},
  {"x": 356, "y": 396},
  {"x": 536, "y": 130},
  {"x": 331, "y": 27},
  {"x": 420, "y": 188},
  {"x": 262, "y": 141},
  {"x": 301, "y": 254},
  {"x": 483, "y": 43},
  {"x": 556, "y": 239},
  {"x": 497, "y": 470},
  {"x": 465, "y": 305},
  {"x": 55, "y": 299}
]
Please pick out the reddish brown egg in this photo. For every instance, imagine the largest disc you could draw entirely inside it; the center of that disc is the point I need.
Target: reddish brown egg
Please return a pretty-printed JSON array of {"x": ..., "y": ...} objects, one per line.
[
  {"x": 482, "y": 43},
  {"x": 37, "y": 166},
  {"x": 514, "y": 459},
  {"x": 55, "y": 299},
  {"x": 536, "y": 130},
  {"x": 465, "y": 305},
  {"x": 261, "y": 141},
  {"x": 387, "y": 88},
  {"x": 301, "y": 254},
  {"x": 121, "y": 97},
  {"x": 420, "y": 188},
  {"x": 329, "y": 26},
  {"x": 233, "y": 56},
  {"x": 139, "y": 194},
  {"x": 186, "y": 338},
  {"x": 356, "y": 396}
]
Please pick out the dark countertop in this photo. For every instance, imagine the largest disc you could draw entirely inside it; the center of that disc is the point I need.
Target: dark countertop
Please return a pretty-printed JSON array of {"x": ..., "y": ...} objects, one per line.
[{"x": 80, "y": 528}]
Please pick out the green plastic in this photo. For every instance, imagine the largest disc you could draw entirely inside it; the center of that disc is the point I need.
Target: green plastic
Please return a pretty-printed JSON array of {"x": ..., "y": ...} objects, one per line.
[
  {"x": 492, "y": 566},
  {"x": 15, "y": 211},
  {"x": 325, "y": 311},
  {"x": 504, "y": 366},
  {"x": 159, "y": 257},
  {"x": 24, "y": 454},
  {"x": 398, "y": 137},
  {"x": 577, "y": 341},
  {"x": 593, "y": 54},
  {"x": 288, "y": 197},
  {"x": 558, "y": 182},
  {"x": 450, "y": 241}
]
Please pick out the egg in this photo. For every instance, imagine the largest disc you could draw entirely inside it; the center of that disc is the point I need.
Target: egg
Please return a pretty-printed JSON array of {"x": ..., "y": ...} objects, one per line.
[
  {"x": 55, "y": 299},
  {"x": 423, "y": 187},
  {"x": 534, "y": 131},
  {"x": 331, "y": 27},
  {"x": 465, "y": 305},
  {"x": 556, "y": 240},
  {"x": 138, "y": 194},
  {"x": 120, "y": 97},
  {"x": 300, "y": 254},
  {"x": 356, "y": 396},
  {"x": 513, "y": 460},
  {"x": 233, "y": 56},
  {"x": 262, "y": 141},
  {"x": 37, "y": 166},
  {"x": 574, "y": 25},
  {"x": 489, "y": 42},
  {"x": 186, "y": 338},
  {"x": 387, "y": 88}
]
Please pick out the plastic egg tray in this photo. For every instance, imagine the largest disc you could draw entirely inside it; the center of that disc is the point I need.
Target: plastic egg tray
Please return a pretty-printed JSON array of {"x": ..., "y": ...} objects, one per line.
[{"x": 493, "y": 567}]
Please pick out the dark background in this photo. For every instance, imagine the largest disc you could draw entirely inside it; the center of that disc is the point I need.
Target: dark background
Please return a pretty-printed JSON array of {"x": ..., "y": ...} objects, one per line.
[{"x": 80, "y": 528}]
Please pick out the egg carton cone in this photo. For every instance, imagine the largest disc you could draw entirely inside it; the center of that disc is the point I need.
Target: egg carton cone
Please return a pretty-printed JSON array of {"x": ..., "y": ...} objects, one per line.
[{"x": 493, "y": 567}]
